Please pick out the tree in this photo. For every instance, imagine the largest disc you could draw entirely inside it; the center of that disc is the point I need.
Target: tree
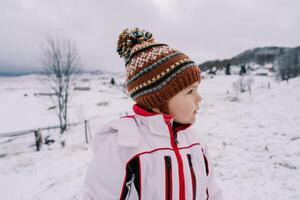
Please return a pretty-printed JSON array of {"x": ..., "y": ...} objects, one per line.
[
  {"x": 289, "y": 64},
  {"x": 112, "y": 81},
  {"x": 243, "y": 70},
  {"x": 61, "y": 66},
  {"x": 227, "y": 71}
]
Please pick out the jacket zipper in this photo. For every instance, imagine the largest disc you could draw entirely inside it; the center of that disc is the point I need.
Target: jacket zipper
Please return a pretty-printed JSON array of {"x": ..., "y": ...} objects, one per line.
[
  {"x": 175, "y": 138},
  {"x": 174, "y": 142},
  {"x": 194, "y": 183},
  {"x": 168, "y": 177}
]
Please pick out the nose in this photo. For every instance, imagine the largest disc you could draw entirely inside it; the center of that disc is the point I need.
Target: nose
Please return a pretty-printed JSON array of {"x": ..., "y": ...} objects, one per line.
[{"x": 198, "y": 98}]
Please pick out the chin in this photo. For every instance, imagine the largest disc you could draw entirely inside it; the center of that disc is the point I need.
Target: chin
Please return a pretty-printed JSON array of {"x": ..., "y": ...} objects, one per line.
[
  {"x": 191, "y": 121},
  {"x": 185, "y": 119}
]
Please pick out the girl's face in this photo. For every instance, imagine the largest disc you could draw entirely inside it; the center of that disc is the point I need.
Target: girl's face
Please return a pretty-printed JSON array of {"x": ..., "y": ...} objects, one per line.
[{"x": 184, "y": 105}]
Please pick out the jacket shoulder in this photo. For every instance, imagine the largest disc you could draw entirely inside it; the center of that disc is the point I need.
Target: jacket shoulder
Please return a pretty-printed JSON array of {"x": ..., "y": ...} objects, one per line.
[{"x": 125, "y": 129}]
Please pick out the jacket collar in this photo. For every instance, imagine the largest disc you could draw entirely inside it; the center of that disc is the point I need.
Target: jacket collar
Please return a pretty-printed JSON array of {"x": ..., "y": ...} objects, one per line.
[{"x": 157, "y": 123}]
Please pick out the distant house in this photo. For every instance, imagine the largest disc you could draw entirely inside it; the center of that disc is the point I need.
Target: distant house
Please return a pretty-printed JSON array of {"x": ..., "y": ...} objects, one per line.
[
  {"x": 212, "y": 71},
  {"x": 269, "y": 67},
  {"x": 261, "y": 72}
]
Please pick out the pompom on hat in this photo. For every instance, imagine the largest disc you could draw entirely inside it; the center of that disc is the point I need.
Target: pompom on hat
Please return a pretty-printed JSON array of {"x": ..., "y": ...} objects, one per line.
[{"x": 155, "y": 72}]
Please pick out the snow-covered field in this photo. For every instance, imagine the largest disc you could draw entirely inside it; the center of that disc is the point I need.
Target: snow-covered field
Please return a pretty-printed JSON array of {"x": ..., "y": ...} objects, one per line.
[{"x": 254, "y": 140}]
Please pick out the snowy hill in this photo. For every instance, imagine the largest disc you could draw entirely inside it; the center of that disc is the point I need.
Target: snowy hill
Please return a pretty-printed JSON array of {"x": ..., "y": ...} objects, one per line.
[
  {"x": 258, "y": 56},
  {"x": 253, "y": 139}
]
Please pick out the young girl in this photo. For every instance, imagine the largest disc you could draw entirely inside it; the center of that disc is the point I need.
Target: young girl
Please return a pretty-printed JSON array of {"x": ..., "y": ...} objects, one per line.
[{"x": 153, "y": 154}]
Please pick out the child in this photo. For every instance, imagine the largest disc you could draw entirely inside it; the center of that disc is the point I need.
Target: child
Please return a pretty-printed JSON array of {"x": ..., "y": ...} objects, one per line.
[{"x": 153, "y": 154}]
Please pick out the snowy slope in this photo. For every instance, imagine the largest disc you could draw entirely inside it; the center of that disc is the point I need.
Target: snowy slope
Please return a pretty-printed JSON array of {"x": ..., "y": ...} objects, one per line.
[{"x": 254, "y": 140}]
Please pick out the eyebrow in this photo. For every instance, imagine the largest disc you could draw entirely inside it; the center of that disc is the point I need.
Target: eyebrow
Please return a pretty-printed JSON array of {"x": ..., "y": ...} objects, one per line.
[{"x": 193, "y": 86}]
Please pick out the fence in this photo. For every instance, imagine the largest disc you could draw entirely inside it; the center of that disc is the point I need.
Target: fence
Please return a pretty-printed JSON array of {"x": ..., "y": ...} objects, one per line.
[{"x": 17, "y": 142}]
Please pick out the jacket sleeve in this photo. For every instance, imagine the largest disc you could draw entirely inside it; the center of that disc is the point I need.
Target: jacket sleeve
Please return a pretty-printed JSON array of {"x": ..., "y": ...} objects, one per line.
[
  {"x": 105, "y": 174},
  {"x": 214, "y": 192}
]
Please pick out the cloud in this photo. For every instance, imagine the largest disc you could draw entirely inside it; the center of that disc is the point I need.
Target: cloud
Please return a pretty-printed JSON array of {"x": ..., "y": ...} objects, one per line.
[{"x": 208, "y": 29}]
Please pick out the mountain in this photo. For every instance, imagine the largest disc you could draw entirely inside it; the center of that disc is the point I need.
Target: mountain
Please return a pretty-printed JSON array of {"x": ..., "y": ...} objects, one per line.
[
  {"x": 21, "y": 72},
  {"x": 17, "y": 72},
  {"x": 260, "y": 56}
]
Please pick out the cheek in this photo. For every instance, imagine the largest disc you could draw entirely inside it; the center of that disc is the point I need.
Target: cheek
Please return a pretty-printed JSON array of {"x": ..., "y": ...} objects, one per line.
[
  {"x": 181, "y": 109},
  {"x": 177, "y": 109}
]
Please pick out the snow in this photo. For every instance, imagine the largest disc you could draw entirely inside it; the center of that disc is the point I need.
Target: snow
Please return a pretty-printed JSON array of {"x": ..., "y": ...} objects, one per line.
[{"x": 254, "y": 140}]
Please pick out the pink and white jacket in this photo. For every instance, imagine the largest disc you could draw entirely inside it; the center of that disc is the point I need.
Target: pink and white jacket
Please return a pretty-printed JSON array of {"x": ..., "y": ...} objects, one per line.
[{"x": 143, "y": 157}]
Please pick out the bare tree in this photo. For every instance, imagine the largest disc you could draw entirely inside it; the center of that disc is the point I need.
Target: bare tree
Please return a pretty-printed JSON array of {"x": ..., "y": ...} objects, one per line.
[
  {"x": 288, "y": 64},
  {"x": 61, "y": 66}
]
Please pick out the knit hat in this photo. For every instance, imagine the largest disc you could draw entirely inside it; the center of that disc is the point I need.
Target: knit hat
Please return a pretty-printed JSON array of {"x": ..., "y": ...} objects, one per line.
[{"x": 155, "y": 72}]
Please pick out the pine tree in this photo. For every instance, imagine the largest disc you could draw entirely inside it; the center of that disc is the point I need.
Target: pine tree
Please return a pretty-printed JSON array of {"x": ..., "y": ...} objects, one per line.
[
  {"x": 112, "y": 81},
  {"x": 243, "y": 70},
  {"x": 227, "y": 72}
]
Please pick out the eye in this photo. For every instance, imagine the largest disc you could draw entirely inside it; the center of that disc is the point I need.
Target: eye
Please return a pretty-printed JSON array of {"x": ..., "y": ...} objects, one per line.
[{"x": 190, "y": 91}]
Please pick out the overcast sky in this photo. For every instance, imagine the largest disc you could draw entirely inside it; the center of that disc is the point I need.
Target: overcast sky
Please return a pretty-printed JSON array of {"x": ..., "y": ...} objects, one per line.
[{"x": 203, "y": 29}]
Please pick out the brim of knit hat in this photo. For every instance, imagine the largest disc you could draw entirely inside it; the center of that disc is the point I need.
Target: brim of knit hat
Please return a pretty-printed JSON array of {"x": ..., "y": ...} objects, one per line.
[{"x": 177, "y": 84}]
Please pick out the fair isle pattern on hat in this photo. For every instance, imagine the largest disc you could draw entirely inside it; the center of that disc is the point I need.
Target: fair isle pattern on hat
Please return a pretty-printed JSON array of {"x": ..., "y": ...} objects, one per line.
[
  {"x": 146, "y": 69},
  {"x": 155, "y": 71},
  {"x": 145, "y": 57}
]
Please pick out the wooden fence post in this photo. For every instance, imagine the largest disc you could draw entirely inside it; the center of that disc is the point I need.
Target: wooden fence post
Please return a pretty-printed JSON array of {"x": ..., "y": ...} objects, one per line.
[
  {"x": 85, "y": 130},
  {"x": 38, "y": 139}
]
